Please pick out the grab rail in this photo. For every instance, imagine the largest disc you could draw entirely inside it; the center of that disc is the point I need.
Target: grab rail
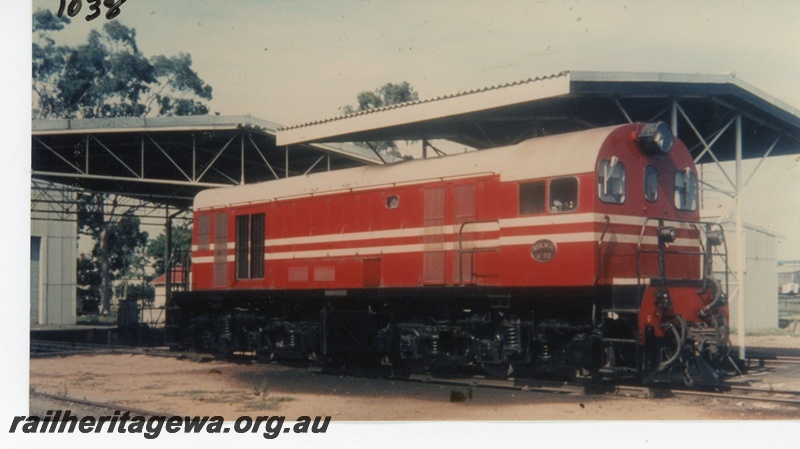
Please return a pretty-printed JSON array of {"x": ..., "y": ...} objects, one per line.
[
  {"x": 599, "y": 247},
  {"x": 462, "y": 251},
  {"x": 662, "y": 251}
]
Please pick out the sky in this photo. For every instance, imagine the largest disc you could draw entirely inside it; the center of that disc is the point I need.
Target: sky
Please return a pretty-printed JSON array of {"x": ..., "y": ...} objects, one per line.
[
  {"x": 296, "y": 61},
  {"x": 292, "y": 62}
]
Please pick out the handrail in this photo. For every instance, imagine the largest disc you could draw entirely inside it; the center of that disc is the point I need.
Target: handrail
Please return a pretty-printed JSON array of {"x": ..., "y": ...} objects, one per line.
[
  {"x": 706, "y": 253},
  {"x": 461, "y": 251},
  {"x": 599, "y": 247}
]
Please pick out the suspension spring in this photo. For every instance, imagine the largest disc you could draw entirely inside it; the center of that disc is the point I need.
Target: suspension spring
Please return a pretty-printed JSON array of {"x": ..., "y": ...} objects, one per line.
[
  {"x": 544, "y": 352},
  {"x": 291, "y": 339},
  {"x": 511, "y": 331},
  {"x": 226, "y": 327},
  {"x": 434, "y": 347}
]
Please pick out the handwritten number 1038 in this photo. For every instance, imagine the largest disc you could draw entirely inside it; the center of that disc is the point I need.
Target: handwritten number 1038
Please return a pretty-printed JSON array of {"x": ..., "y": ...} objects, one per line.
[{"x": 74, "y": 7}]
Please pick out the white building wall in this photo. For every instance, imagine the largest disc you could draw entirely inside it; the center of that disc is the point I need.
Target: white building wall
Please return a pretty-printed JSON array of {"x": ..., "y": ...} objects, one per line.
[
  {"x": 761, "y": 279},
  {"x": 55, "y": 299}
]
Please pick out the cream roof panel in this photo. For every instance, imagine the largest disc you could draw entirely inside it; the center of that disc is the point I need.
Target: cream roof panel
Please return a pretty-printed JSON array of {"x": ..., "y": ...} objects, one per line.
[{"x": 559, "y": 155}]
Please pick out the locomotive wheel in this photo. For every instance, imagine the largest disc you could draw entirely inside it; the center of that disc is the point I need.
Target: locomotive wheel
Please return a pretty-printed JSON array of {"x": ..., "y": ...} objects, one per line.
[
  {"x": 264, "y": 355},
  {"x": 498, "y": 370},
  {"x": 583, "y": 375}
]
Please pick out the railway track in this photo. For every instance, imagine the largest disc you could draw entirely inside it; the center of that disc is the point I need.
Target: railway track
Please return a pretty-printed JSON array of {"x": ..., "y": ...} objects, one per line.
[
  {"x": 743, "y": 393},
  {"x": 735, "y": 392},
  {"x": 44, "y": 348},
  {"x": 738, "y": 392},
  {"x": 785, "y": 361}
]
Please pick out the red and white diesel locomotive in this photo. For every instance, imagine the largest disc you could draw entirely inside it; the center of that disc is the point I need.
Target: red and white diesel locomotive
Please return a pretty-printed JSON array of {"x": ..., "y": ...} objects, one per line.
[{"x": 578, "y": 253}]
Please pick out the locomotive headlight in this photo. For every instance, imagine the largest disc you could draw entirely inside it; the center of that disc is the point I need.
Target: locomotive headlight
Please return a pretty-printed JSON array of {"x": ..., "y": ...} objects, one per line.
[
  {"x": 667, "y": 234},
  {"x": 715, "y": 238},
  {"x": 656, "y": 138},
  {"x": 663, "y": 300}
]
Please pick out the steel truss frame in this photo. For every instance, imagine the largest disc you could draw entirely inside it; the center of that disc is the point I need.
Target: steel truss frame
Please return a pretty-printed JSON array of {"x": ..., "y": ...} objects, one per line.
[
  {"x": 52, "y": 201},
  {"x": 162, "y": 163},
  {"x": 169, "y": 162}
]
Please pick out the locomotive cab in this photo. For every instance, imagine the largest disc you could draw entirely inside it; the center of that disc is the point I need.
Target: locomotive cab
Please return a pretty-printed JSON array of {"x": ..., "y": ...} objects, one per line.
[{"x": 675, "y": 308}]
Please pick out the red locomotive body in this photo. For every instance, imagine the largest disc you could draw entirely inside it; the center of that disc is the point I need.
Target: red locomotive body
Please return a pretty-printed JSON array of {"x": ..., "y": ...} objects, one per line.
[{"x": 580, "y": 251}]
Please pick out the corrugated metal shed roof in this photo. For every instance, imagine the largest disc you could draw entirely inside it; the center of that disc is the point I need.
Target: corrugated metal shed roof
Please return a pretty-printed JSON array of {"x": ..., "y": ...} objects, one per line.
[
  {"x": 428, "y": 100},
  {"x": 568, "y": 101},
  {"x": 169, "y": 159},
  {"x": 200, "y": 123}
]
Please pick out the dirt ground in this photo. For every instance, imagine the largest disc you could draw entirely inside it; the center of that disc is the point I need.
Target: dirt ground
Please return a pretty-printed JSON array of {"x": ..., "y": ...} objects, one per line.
[{"x": 183, "y": 387}]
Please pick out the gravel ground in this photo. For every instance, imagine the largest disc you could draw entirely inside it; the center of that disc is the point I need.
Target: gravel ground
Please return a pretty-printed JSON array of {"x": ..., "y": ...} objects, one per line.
[{"x": 182, "y": 387}]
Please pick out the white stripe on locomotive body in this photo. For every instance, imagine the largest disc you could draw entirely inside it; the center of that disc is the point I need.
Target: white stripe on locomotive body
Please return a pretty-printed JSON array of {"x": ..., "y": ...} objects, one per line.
[
  {"x": 630, "y": 281},
  {"x": 579, "y": 237},
  {"x": 211, "y": 246},
  {"x": 526, "y": 240},
  {"x": 483, "y": 226},
  {"x": 452, "y": 229},
  {"x": 211, "y": 259},
  {"x": 499, "y": 242}
]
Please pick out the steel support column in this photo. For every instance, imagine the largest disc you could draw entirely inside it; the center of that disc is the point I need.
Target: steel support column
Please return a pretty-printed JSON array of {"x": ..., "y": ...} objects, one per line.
[
  {"x": 673, "y": 117},
  {"x": 740, "y": 240}
]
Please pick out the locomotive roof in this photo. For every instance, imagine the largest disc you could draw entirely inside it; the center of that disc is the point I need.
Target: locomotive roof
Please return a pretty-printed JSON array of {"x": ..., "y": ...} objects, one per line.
[{"x": 540, "y": 157}]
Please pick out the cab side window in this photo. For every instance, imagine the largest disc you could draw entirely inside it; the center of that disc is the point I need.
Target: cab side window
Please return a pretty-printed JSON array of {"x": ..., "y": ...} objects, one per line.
[
  {"x": 611, "y": 181},
  {"x": 531, "y": 198},
  {"x": 650, "y": 183},
  {"x": 686, "y": 190},
  {"x": 563, "y": 195}
]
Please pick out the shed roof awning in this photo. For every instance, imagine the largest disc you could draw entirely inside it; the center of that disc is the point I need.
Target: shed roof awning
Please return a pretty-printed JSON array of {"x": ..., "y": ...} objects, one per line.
[
  {"x": 167, "y": 160},
  {"x": 569, "y": 101},
  {"x": 207, "y": 124}
]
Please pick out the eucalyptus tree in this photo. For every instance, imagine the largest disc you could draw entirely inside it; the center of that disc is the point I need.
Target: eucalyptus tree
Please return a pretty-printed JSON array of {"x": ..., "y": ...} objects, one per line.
[
  {"x": 387, "y": 95},
  {"x": 109, "y": 76}
]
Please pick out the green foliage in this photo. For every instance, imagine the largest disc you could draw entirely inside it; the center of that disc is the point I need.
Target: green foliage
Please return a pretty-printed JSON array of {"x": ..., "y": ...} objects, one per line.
[
  {"x": 88, "y": 283},
  {"x": 387, "y": 95},
  {"x": 157, "y": 248},
  {"x": 119, "y": 242},
  {"x": 138, "y": 292},
  {"x": 124, "y": 240},
  {"x": 88, "y": 272},
  {"x": 109, "y": 76},
  {"x": 48, "y": 61}
]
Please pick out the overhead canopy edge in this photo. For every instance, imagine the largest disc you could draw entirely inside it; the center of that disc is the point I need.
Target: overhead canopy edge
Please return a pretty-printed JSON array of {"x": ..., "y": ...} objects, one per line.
[{"x": 418, "y": 112}]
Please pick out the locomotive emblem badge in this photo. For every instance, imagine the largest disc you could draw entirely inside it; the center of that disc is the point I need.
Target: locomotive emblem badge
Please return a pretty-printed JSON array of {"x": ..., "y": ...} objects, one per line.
[{"x": 543, "y": 250}]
